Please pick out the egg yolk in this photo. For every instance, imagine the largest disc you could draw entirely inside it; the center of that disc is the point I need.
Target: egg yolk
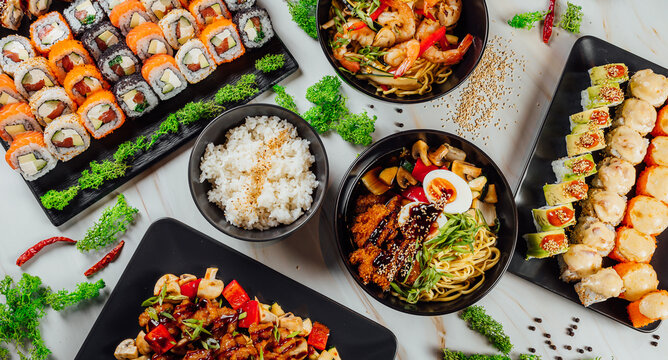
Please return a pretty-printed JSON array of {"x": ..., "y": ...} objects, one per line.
[{"x": 441, "y": 190}]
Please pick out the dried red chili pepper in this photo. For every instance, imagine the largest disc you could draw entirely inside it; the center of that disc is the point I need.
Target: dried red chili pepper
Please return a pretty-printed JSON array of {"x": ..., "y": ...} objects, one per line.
[
  {"x": 39, "y": 246},
  {"x": 549, "y": 21},
  {"x": 111, "y": 256}
]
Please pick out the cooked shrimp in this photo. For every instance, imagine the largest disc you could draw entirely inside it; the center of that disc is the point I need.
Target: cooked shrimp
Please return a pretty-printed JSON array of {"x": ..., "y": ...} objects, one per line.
[
  {"x": 401, "y": 21},
  {"x": 426, "y": 28},
  {"x": 361, "y": 34},
  {"x": 385, "y": 38},
  {"x": 449, "y": 57},
  {"x": 341, "y": 54},
  {"x": 447, "y": 12},
  {"x": 403, "y": 56}
]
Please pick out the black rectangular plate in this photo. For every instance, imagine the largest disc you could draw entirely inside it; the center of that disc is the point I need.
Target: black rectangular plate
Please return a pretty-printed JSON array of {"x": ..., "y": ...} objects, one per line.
[
  {"x": 172, "y": 247},
  {"x": 587, "y": 52},
  {"x": 66, "y": 173}
]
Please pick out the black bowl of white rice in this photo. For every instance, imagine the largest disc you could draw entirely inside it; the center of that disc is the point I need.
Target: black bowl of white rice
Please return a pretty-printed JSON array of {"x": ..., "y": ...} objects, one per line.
[{"x": 258, "y": 172}]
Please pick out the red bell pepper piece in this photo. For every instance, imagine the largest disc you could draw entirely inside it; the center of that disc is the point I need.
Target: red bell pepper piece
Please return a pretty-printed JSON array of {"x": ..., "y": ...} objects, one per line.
[
  {"x": 160, "y": 340},
  {"x": 432, "y": 39},
  {"x": 235, "y": 295},
  {"x": 357, "y": 26},
  {"x": 252, "y": 310},
  {"x": 415, "y": 193},
  {"x": 421, "y": 170},
  {"x": 318, "y": 336},
  {"x": 374, "y": 16},
  {"x": 549, "y": 21},
  {"x": 189, "y": 289}
]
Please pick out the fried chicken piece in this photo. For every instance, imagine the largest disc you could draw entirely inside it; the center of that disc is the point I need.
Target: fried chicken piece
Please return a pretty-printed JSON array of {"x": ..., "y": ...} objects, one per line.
[
  {"x": 364, "y": 202},
  {"x": 202, "y": 354},
  {"x": 235, "y": 348},
  {"x": 226, "y": 322},
  {"x": 364, "y": 257},
  {"x": 261, "y": 332},
  {"x": 377, "y": 224},
  {"x": 144, "y": 317}
]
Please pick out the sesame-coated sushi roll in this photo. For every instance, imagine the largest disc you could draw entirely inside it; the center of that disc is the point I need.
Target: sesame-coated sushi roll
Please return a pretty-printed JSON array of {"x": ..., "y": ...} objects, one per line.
[
  {"x": 128, "y": 15},
  {"x": 615, "y": 174},
  {"x": 653, "y": 181},
  {"x": 178, "y": 27},
  {"x": 609, "y": 73},
  {"x": 239, "y": 5},
  {"x": 194, "y": 61},
  {"x": 255, "y": 27},
  {"x": 639, "y": 279},
  {"x": 657, "y": 152},
  {"x": 602, "y": 95},
  {"x": 589, "y": 120},
  {"x": 163, "y": 75},
  {"x": 100, "y": 114},
  {"x": 47, "y": 30},
  {"x": 65, "y": 55},
  {"x": 549, "y": 218},
  {"x": 567, "y": 169},
  {"x": 607, "y": 206},
  {"x": 652, "y": 307},
  {"x": 82, "y": 82},
  {"x": 15, "y": 49},
  {"x": 135, "y": 96},
  {"x": 32, "y": 75},
  {"x": 147, "y": 40},
  {"x": 50, "y": 103},
  {"x": 11, "y": 14},
  {"x": 594, "y": 233},
  {"x": 627, "y": 144},
  {"x": 100, "y": 38},
  {"x": 649, "y": 86},
  {"x": 29, "y": 156},
  {"x": 118, "y": 61},
  {"x": 637, "y": 114},
  {"x": 647, "y": 215},
  {"x": 222, "y": 40},
  {"x": 157, "y": 9},
  {"x": 15, "y": 119},
  {"x": 66, "y": 138},
  {"x": 584, "y": 142},
  {"x": 579, "y": 261},
  {"x": 600, "y": 286},
  {"x": 546, "y": 244},
  {"x": 108, "y": 5},
  {"x": 565, "y": 192},
  {"x": 208, "y": 11},
  {"x": 632, "y": 245},
  {"x": 83, "y": 15},
  {"x": 8, "y": 93}
]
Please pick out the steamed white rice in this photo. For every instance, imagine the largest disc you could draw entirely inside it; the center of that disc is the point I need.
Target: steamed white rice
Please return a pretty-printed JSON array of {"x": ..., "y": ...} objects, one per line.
[{"x": 260, "y": 177}]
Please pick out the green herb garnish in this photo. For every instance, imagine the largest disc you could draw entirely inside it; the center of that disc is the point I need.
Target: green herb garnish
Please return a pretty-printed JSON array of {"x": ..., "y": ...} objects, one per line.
[
  {"x": 117, "y": 60},
  {"x": 357, "y": 128},
  {"x": 242, "y": 315},
  {"x": 303, "y": 13},
  {"x": 270, "y": 62},
  {"x": 480, "y": 321},
  {"x": 572, "y": 19},
  {"x": 88, "y": 19},
  {"x": 113, "y": 223},
  {"x": 244, "y": 88},
  {"x": 284, "y": 99},
  {"x": 527, "y": 20},
  {"x": 84, "y": 291},
  {"x": 197, "y": 327},
  {"x": 293, "y": 334}
]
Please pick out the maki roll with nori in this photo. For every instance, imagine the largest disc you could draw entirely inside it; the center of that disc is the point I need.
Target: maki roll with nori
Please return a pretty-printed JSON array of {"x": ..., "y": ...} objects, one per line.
[
  {"x": 50, "y": 103},
  {"x": 609, "y": 73},
  {"x": 100, "y": 114},
  {"x": 100, "y": 38},
  {"x": 194, "y": 61},
  {"x": 147, "y": 40},
  {"x": 83, "y": 15},
  {"x": 66, "y": 138},
  {"x": 14, "y": 49},
  {"x": 239, "y": 5},
  {"x": 222, "y": 40},
  {"x": 66, "y": 55},
  {"x": 82, "y": 82},
  {"x": 163, "y": 75},
  {"x": 48, "y": 30},
  {"x": 178, "y": 27},
  {"x": 157, "y": 9},
  {"x": 11, "y": 14},
  {"x": 255, "y": 27},
  {"x": 118, "y": 61},
  {"x": 15, "y": 119},
  {"x": 128, "y": 15},
  {"x": 32, "y": 75},
  {"x": 108, "y": 5},
  {"x": 135, "y": 96},
  {"x": 29, "y": 156},
  {"x": 208, "y": 11},
  {"x": 8, "y": 92}
]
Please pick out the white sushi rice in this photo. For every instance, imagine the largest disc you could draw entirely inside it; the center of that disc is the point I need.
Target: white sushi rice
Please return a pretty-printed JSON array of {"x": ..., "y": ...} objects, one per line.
[{"x": 260, "y": 177}]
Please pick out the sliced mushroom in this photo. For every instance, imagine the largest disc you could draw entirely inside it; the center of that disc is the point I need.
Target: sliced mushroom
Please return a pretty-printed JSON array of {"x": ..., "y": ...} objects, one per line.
[
  {"x": 307, "y": 327},
  {"x": 455, "y": 154},
  {"x": 421, "y": 150},
  {"x": 186, "y": 278},
  {"x": 437, "y": 157},
  {"x": 404, "y": 178},
  {"x": 267, "y": 316},
  {"x": 373, "y": 182},
  {"x": 143, "y": 347},
  {"x": 172, "y": 282},
  {"x": 210, "y": 287},
  {"x": 291, "y": 323},
  {"x": 126, "y": 350}
]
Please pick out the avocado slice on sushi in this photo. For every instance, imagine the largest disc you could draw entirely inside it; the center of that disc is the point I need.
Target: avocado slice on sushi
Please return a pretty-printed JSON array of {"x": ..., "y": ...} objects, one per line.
[
  {"x": 136, "y": 20},
  {"x": 546, "y": 244},
  {"x": 609, "y": 73},
  {"x": 585, "y": 142},
  {"x": 14, "y": 130},
  {"x": 6, "y": 99},
  {"x": 609, "y": 94},
  {"x": 171, "y": 81},
  {"x": 31, "y": 165},
  {"x": 554, "y": 217},
  {"x": 565, "y": 192},
  {"x": 157, "y": 47},
  {"x": 67, "y": 138}
]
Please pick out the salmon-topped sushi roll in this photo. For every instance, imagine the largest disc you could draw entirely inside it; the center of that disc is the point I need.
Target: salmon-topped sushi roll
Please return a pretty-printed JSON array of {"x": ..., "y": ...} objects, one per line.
[
  {"x": 661, "y": 126},
  {"x": 50, "y": 103},
  {"x": 29, "y": 156},
  {"x": 653, "y": 181},
  {"x": 633, "y": 246},
  {"x": 639, "y": 279},
  {"x": 157, "y": 9},
  {"x": 83, "y": 81},
  {"x": 647, "y": 215},
  {"x": 128, "y": 15},
  {"x": 8, "y": 92},
  {"x": 600, "y": 286},
  {"x": 14, "y": 49},
  {"x": 208, "y": 11},
  {"x": 48, "y": 30},
  {"x": 65, "y": 55},
  {"x": 657, "y": 152},
  {"x": 652, "y": 307},
  {"x": 16, "y": 119},
  {"x": 100, "y": 114},
  {"x": 32, "y": 76},
  {"x": 147, "y": 40}
]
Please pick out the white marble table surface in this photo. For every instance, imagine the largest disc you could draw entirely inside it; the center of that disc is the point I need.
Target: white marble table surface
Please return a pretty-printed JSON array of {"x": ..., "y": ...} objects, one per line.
[{"x": 310, "y": 256}]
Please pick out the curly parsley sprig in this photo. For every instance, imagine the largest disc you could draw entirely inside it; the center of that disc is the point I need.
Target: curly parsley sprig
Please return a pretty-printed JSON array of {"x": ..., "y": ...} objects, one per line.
[
  {"x": 303, "y": 13},
  {"x": 113, "y": 223},
  {"x": 270, "y": 62},
  {"x": 526, "y": 20},
  {"x": 572, "y": 19},
  {"x": 480, "y": 321}
]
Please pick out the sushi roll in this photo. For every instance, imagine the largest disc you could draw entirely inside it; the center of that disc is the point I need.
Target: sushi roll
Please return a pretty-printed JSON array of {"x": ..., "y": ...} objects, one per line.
[
  {"x": 82, "y": 82},
  {"x": 637, "y": 114},
  {"x": 546, "y": 244},
  {"x": 32, "y": 75},
  {"x": 222, "y": 40},
  {"x": 594, "y": 233},
  {"x": 632, "y": 246},
  {"x": 566, "y": 169},
  {"x": 648, "y": 86},
  {"x": 178, "y": 27},
  {"x": 615, "y": 174},
  {"x": 565, "y": 192},
  {"x": 163, "y": 75},
  {"x": 38, "y": 7},
  {"x": 627, "y": 144},
  {"x": 585, "y": 142},
  {"x": 588, "y": 120},
  {"x": 208, "y": 11},
  {"x": 16, "y": 119},
  {"x": 657, "y": 152},
  {"x": 118, "y": 61},
  {"x": 607, "y": 206},
  {"x": 47, "y": 30},
  {"x": 65, "y": 55},
  {"x": 255, "y": 27},
  {"x": 553, "y": 217},
  {"x": 108, "y": 5},
  {"x": 661, "y": 126},
  {"x": 100, "y": 114},
  {"x": 11, "y": 14},
  {"x": 639, "y": 279},
  {"x": 238, "y": 5},
  {"x": 83, "y": 15},
  {"x": 50, "y": 103},
  {"x": 602, "y": 95},
  {"x": 147, "y": 40},
  {"x": 578, "y": 262},
  {"x": 66, "y": 138},
  {"x": 652, "y": 307},
  {"x": 29, "y": 156},
  {"x": 8, "y": 93},
  {"x": 600, "y": 286},
  {"x": 609, "y": 73},
  {"x": 15, "y": 49},
  {"x": 653, "y": 181},
  {"x": 194, "y": 61},
  {"x": 135, "y": 96},
  {"x": 647, "y": 215},
  {"x": 157, "y": 9},
  {"x": 100, "y": 38},
  {"x": 128, "y": 15}
]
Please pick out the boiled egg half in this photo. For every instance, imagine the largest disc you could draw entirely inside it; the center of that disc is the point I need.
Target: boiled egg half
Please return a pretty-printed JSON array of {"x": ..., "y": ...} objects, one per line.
[{"x": 449, "y": 190}]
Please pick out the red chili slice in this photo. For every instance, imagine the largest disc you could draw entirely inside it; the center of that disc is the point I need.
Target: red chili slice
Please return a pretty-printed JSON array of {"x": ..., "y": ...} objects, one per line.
[
  {"x": 33, "y": 250},
  {"x": 106, "y": 260}
]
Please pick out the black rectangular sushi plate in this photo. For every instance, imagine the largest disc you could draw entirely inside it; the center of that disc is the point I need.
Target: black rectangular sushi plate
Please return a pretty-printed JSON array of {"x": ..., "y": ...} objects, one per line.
[
  {"x": 66, "y": 173},
  {"x": 587, "y": 52}
]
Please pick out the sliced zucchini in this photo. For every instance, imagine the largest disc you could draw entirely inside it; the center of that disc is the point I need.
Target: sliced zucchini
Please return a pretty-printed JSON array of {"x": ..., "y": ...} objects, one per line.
[
  {"x": 478, "y": 183},
  {"x": 476, "y": 194}
]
